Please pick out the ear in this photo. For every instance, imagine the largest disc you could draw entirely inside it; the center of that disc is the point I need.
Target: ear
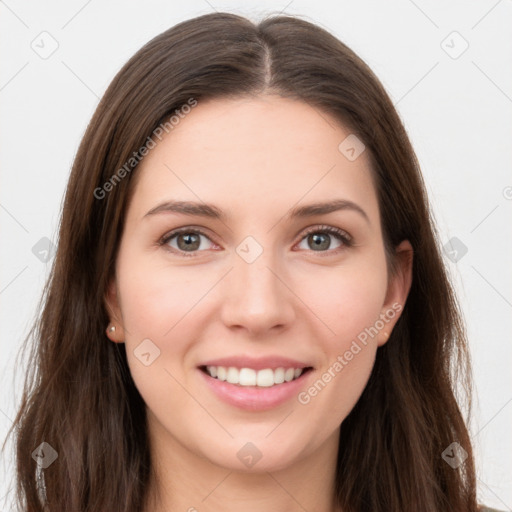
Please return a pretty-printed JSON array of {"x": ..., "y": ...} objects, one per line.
[
  {"x": 398, "y": 289},
  {"x": 117, "y": 334}
]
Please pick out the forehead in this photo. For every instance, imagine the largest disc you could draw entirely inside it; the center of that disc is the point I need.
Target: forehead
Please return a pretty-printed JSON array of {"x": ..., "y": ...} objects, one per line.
[{"x": 251, "y": 153}]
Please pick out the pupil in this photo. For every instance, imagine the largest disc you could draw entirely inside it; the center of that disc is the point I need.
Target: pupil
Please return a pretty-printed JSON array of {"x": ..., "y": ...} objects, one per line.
[
  {"x": 320, "y": 241},
  {"x": 190, "y": 241}
]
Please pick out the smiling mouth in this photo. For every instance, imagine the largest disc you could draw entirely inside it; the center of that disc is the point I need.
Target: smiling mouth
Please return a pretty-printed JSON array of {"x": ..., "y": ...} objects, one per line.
[{"x": 248, "y": 377}]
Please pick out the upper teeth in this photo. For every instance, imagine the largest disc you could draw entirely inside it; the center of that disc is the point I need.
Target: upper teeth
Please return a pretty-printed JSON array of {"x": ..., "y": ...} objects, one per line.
[{"x": 250, "y": 377}]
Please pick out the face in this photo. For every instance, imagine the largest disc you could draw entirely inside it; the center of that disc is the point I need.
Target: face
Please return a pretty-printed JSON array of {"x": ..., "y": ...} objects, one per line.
[{"x": 250, "y": 275}]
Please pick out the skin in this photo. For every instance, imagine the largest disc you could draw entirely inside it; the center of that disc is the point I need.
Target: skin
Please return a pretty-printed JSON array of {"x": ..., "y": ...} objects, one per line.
[{"x": 255, "y": 158}]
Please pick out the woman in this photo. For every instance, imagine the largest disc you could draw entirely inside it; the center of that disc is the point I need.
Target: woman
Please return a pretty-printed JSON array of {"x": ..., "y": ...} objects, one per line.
[{"x": 248, "y": 307}]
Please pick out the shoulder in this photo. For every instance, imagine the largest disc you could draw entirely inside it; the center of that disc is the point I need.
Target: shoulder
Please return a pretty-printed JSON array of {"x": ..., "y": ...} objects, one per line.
[{"x": 482, "y": 508}]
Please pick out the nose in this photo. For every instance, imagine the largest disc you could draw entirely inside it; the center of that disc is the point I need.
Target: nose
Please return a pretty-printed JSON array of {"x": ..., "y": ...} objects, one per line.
[{"x": 256, "y": 297}]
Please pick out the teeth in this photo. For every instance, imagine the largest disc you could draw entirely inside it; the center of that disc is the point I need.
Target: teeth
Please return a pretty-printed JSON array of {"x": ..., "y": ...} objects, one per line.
[{"x": 249, "y": 377}]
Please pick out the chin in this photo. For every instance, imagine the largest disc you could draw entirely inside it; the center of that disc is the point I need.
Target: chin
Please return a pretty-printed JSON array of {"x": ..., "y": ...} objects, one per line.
[{"x": 256, "y": 456}]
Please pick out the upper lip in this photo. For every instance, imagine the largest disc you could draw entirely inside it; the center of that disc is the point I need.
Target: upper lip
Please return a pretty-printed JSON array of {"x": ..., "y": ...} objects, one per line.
[{"x": 259, "y": 363}]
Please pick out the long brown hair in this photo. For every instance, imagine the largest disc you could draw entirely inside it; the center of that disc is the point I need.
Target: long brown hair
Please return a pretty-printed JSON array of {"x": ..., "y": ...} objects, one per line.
[{"x": 79, "y": 396}]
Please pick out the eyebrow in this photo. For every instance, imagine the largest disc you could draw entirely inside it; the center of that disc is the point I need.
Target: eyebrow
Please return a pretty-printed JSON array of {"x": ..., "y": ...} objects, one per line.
[{"x": 213, "y": 212}]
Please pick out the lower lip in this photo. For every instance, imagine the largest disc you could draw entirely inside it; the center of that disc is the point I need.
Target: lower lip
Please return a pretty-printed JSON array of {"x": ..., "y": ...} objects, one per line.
[{"x": 252, "y": 398}]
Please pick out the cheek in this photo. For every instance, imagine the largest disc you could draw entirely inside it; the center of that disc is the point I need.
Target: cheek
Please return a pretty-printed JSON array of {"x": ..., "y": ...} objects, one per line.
[
  {"x": 338, "y": 385},
  {"x": 158, "y": 304},
  {"x": 156, "y": 298},
  {"x": 348, "y": 300}
]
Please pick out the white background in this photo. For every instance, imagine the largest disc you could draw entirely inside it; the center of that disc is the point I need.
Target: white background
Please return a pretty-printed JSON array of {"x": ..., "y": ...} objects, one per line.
[{"x": 457, "y": 112}]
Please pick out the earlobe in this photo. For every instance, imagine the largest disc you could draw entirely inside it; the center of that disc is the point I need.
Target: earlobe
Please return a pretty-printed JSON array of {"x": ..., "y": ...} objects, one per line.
[
  {"x": 398, "y": 289},
  {"x": 114, "y": 330},
  {"x": 112, "y": 333}
]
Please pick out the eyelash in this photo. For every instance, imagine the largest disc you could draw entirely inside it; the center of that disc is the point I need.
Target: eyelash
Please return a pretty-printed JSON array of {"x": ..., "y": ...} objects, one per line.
[{"x": 342, "y": 236}]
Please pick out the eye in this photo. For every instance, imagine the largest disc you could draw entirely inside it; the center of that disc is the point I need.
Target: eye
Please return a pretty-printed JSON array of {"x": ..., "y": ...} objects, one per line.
[
  {"x": 319, "y": 238},
  {"x": 189, "y": 241},
  {"x": 186, "y": 240}
]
